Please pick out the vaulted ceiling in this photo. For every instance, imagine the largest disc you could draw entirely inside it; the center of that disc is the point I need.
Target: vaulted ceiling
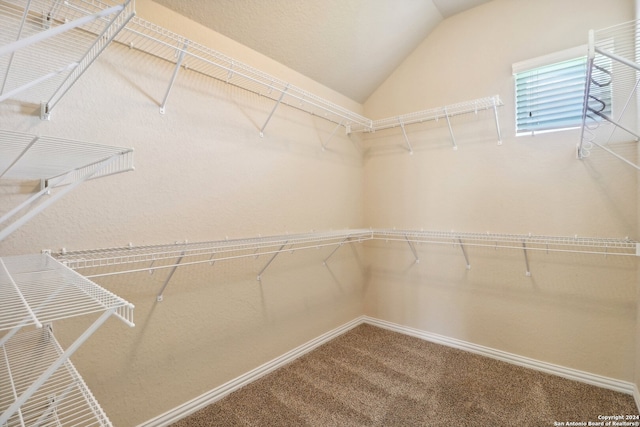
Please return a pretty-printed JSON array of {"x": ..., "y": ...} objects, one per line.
[{"x": 351, "y": 46}]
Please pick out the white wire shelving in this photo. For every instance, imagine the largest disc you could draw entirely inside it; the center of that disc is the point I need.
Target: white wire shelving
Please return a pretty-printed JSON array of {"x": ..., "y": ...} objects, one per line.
[
  {"x": 63, "y": 399},
  {"x": 187, "y": 54},
  {"x": 435, "y": 114},
  {"x": 60, "y": 165},
  {"x": 613, "y": 76},
  {"x": 46, "y": 45},
  {"x": 131, "y": 259},
  {"x": 522, "y": 242},
  {"x": 38, "y": 384}
]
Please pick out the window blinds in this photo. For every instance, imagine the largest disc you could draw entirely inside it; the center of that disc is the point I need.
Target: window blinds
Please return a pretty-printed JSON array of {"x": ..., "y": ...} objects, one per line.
[{"x": 551, "y": 96}]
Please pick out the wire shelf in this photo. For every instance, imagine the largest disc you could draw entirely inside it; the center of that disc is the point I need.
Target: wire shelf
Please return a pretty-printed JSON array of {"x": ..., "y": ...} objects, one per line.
[
  {"x": 609, "y": 115},
  {"x": 467, "y": 107},
  {"x": 162, "y": 43},
  {"x": 203, "y": 252},
  {"x": 30, "y": 157},
  {"x": 64, "y": 399},
  {"x": 575, "y": 244},
  {"x": 36, "y": 289},
  {"x": 46, "y": 45}
]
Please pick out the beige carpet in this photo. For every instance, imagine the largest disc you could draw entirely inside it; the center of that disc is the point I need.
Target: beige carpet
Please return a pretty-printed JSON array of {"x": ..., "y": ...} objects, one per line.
[{"x": 373, "y": 377}]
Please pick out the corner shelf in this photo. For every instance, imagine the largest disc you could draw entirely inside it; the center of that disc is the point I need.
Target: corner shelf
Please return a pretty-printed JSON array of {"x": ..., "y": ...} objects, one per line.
[
  {"x": 435, "y": 114},
  {"x": 37, "y": 381},
  {"x": 57, "y": 163},
  {"x": 612, "y": 85},
  {"x": 56, "y": 41}
]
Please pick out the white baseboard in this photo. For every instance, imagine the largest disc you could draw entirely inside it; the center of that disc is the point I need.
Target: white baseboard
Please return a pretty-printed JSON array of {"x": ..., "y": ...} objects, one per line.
[
  {"x": 550, "y": 368},
  {"x": 218, "y": 393}
]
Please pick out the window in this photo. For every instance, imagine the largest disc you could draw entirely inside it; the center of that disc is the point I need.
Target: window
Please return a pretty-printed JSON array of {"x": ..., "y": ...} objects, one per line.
[{"x": 550, "y": 92}]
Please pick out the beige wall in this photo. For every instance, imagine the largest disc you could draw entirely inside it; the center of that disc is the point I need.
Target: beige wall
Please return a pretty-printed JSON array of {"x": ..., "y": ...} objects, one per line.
[
  {"x": 577, "y": 311},
  {"x": 202, "y": 173}
]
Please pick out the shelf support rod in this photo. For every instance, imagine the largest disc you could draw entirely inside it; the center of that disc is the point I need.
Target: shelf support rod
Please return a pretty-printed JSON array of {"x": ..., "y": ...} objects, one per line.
[
  {"x": 24, "y": 17},
  {"x": 464, "y": 252},
  {"x": 326, "y": 143},
  {"x": 324, "y": 262},
  {"x": 495, "y": 115},
  {"x": 12, "y": 382},
  {"x": 273, "y": 110},
  {"x": 174, "y": 75},
  {"x": 526, "y": 259},
  {"x": 413, "y": 249},
  {"x": 271, "y": 260},
  {"x": 166, "y": 282},
  {"x": 404, "y": 133},
  {"x": 453, "y": 138},
  {"x": 53, "y": 367}
]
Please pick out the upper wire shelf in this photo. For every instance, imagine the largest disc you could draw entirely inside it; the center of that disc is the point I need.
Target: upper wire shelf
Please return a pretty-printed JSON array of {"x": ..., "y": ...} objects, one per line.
[
  {"x": 63, "y": 399},
  {"x": 55, "y": 162},
  {"x": 37, "y": 289},
  {"x": 610, "y": 108},
  {"x": 46, "y": 45},
  {"x": 162, "y": 43}
]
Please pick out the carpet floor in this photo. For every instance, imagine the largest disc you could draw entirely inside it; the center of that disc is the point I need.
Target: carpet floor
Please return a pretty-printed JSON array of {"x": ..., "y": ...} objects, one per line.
[{"x": 374, "y": 377}]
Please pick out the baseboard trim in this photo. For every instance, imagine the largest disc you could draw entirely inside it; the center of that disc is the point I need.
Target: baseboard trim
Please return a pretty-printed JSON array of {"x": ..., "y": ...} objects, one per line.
[
  {"x": 550, "y": 368},
  {"x": 219, "y": 392}
]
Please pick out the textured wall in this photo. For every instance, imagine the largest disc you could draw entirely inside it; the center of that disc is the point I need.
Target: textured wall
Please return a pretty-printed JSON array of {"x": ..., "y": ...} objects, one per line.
[
  {"x": 202, "y": 173},
  {"x": 576, "y": 310}
]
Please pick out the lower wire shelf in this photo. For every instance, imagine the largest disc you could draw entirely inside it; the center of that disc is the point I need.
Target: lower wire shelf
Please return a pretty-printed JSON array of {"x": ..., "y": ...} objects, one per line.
[{"x": 64, "y": 399}]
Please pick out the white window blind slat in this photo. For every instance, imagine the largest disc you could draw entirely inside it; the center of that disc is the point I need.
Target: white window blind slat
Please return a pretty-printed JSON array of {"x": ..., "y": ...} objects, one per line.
[{"x": 551, "y": 96}]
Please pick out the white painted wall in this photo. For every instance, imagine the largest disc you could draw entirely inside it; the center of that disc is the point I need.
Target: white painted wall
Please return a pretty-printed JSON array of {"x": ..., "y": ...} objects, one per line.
[
  {"x": 202, "y": 173},
  {"x": 576, "y": 310}
]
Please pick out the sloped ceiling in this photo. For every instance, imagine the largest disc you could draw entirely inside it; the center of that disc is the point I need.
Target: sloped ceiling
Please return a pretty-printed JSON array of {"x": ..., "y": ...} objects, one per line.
[{"x": 351, "y": 46}]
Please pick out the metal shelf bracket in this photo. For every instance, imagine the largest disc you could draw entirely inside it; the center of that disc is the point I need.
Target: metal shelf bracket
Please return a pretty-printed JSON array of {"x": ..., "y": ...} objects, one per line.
[
  {"x": 404, "y": 133},
  {"x": 180, "y": 53},
  {"x": 324, "y": 262},
  {"x": 273, "y": 110},
  {"x": 270, "y": 261},
  {"x": 166, "y": 282},
  {"x": 413, "y": 249},
  {"x": 464, "y": 252},
  {"x": 526, "y": 259}
]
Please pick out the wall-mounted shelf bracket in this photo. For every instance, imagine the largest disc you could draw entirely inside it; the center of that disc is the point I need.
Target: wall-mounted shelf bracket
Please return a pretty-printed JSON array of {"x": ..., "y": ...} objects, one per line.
[
  {"x": 464, "y": 253},
  {"x": 180, "y": 54},
  {"x": 413, "y": 249},
  {"x": 324, "y": 262},
  {"x": 526, "y": 259},
  {"x": 166, "y": 282},
  {"x": 495, "y": 115},
  {"x": 326, "y": 143},
  {"x": 271, "y": 260},
  {"x": 406, "y": 138},
  {"x": 273, "y": 110},
  {"x": 453, "y": 138}
]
